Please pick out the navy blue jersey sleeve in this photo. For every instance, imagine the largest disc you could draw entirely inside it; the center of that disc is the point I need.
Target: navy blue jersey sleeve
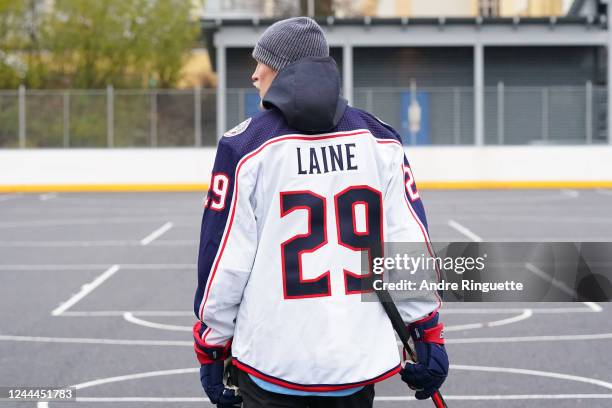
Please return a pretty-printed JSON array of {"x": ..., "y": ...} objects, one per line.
[
  {"x": 215, "y": 217},
  {"x": 227, "y": 248}
]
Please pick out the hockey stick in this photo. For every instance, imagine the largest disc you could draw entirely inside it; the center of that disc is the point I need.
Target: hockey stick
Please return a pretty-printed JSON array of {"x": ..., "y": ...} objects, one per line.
[{"x": 400, "y": 328}]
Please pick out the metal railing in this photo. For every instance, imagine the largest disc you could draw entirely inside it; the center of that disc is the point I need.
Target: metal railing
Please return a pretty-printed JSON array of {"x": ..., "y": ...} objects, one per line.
[
  {"x": 423, "y": 116},
  {"x": 512, "y": 115},
  {"x": 107, "y": 118}
]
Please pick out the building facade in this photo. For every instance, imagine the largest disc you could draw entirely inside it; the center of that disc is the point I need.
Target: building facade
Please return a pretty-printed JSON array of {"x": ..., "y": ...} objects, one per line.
[
  {"x": 467, "y": 8},
  {"x": 507, "y": 82}
]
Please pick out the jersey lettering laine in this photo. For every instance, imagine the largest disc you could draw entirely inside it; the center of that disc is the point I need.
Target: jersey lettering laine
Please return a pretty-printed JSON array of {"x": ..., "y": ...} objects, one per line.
[{"x": 285, "y": 221}]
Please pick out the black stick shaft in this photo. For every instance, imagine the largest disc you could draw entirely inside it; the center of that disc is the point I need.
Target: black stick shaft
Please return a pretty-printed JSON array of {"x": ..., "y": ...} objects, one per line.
[{"x": 400, "y": 328}]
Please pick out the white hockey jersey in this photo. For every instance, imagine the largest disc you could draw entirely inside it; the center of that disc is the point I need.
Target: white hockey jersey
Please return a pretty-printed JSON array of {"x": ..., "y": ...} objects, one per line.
[{"x": 280, "y": 254}]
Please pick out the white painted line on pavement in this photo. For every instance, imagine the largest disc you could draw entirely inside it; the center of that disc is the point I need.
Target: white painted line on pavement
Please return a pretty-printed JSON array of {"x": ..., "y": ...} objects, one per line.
[
  {"x": 527, "y": 313},
  {"x": 570, "y": 193},
  {"x": 87, "y": 244},
  {"x": 593, "y": 306},
  {"x": 136, "y": 376},
  {"x": 8, "y": 197},
  {"x": 85, "y": 290},
  {"x": 537, "y": 373},
  {"x": 128, "y": 377},
  {"x": 567, "y": 337},
  {"x": 111, "y": 313},
  {"x": 47, "y": 196},
  {"x": 128, "y": 316},
  {"x": 156, "y": 234},
  {"x": 85, "y": 340},
  {"x": 64, "y": 244},
  {"x": 504, "y": 397},
  {"x": 177, "y": 313},
  {"x": 88, "y": 267},
  {"x": 128, "y": 342},
  {"x": 495, "y": 310},
  {"x": 79, "y": 221},
  {"x": 379, "y": 398},
  {"x": 464, "y": 230},
  {"x": 175, "y": 242},
  {"x": 194, "y": 370},
  {"x": 556, "y": 283},
  {"x": 141, "y": 399},
  {"x": 534, "y": 218}
]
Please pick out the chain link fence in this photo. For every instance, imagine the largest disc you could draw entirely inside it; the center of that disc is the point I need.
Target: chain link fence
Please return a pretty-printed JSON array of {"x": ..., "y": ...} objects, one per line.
[
  {"x": 107, "y": 118},
  {"x": 445, "y": 115},
  {"x": 512, "y": 115},
  {"x": 423, "y": 116}
]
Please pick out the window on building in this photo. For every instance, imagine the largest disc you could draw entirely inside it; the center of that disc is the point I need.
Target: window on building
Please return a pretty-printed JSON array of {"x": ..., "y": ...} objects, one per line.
[{"x": 488, "y": 8}]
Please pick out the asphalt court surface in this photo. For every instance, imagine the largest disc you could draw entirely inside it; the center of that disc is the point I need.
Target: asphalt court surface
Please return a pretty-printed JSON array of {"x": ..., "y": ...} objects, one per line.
[{"x": 96, "y": 290}]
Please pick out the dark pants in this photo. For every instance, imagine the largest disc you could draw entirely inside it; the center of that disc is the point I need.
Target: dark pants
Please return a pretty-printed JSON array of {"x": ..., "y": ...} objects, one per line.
[{"x": 256, "y": 397}]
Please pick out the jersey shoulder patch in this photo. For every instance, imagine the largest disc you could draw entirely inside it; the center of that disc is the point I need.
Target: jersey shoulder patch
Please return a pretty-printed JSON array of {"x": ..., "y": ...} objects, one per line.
[{"x": 238, "y": 129}]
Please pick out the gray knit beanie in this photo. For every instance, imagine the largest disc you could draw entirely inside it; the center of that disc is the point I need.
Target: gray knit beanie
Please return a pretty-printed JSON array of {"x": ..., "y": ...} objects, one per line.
[{"x": 287, "y": 41}]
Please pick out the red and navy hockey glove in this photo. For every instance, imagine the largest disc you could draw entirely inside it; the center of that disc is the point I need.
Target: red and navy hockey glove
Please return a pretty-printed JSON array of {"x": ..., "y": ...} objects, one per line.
[
  {"x": 428, "y": 374},
  {"x": 212, "y": 369},
  {"x": 211, "y": 377}
]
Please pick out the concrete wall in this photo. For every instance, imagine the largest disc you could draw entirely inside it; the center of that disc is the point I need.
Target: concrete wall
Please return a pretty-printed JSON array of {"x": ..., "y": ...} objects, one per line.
[
  {"x": 189, "y": 169},
  {"x": 105, "y": 170}
]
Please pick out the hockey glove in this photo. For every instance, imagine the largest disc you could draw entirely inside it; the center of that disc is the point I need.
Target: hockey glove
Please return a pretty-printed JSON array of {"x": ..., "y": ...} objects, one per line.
[
  {"x": 211, "y": 376},
  {"x": 212, "y": 368},
  {"x": 427, "y": 375}
]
